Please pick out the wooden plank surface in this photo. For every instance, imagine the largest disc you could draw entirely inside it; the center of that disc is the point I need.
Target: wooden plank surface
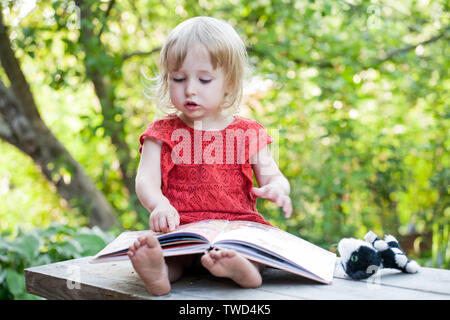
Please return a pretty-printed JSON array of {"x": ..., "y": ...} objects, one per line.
[{"x": 79, "y": 279}]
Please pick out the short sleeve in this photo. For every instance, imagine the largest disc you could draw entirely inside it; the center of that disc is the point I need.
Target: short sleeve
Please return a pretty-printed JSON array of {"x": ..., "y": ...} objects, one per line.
[
  {"x": 263, "y": 138},
  {"x": 160, "y": 130}
]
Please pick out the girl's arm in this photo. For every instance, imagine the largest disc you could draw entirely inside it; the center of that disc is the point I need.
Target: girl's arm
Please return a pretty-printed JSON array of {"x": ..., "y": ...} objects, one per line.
[
  {"x": 273, "y": 185},
  {"x": 164, "y": 217}
]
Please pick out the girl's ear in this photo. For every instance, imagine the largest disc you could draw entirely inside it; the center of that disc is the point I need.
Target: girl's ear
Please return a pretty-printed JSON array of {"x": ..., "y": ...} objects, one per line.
[{"x": 228, "y": 87}]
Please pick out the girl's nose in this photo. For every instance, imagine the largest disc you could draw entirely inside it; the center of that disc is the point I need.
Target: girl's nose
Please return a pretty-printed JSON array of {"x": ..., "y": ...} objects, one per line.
[{"x": 190, "y": 88}]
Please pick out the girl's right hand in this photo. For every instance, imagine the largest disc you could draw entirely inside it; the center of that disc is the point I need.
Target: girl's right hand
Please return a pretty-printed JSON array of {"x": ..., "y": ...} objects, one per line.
[{"x": 164, "y": 218}]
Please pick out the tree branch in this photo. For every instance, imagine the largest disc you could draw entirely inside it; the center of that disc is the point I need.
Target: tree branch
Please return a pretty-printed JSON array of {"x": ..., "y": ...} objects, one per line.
[
  {"x": 11, "y": 65},
  {"x": 16, "y": 127},
  {"x": 406, "y": 49},
  {"x": 105, "y": 91},
  {"x": 322, "y": 64},
  {"x": 110, "y": 5},
  {"x": 38, "y": 142},
  {"x": 140, "y": 53},
  {"x": 5, "y": 132}
]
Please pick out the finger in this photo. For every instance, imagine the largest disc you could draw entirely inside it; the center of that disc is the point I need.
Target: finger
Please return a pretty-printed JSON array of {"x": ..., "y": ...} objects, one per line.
[
  {"x": 256, "y": 191},
  {"x": 280, "y": 200},
  {"x": 166, "y": 224},
  {"x": 153, "y": 221},
  {"x": 271, "y": 195},
  {"x": 263, "y": 193},
  {"x": 153, "y": 225},
  {"x": 170, "y": 223},
  {"x": 287, "y": 208},
  {"x": 259, "y": 191},
  {"x": 162, "y": 223},
  {"x": 174, "y": 221},
  {"x": 288, "y": 213},
  {"x": 156, "y": 224},
  {"x": 177, "y": 220}
]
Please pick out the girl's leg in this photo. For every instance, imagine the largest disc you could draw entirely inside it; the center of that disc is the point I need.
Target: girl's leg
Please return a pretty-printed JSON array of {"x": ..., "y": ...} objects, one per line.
[
  {"x": 157, "y": 273},
  {"x": 229, "y": 264},
  {"x": 177, "y": 265}
]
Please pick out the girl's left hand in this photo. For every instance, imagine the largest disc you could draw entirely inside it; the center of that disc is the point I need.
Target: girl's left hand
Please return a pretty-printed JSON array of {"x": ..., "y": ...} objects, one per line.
[{"x": 275, "y": 194}]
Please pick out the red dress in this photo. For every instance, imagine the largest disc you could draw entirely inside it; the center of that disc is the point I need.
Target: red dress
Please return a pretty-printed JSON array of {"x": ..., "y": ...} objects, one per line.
[{"x": 208, "y": 174}]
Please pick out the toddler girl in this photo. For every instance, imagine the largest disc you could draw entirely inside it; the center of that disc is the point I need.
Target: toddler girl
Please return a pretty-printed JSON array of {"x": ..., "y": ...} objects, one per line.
[{"x": 197, "y": 162}]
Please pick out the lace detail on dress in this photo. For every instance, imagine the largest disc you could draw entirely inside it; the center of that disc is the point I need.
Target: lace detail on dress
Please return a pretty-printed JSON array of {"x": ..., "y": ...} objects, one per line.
[{"x": 207, "y": 174}]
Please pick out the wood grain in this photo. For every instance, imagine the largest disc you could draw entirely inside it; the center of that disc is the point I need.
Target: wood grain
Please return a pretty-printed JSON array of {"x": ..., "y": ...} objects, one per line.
[{"x": 79, "y": 279}]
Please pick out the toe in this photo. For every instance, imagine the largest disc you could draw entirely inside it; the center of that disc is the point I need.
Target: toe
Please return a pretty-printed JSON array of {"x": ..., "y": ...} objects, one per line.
[
  {"x": 215, "y": 254},
  {"x": 229, "y": 253},
  {"x": 152, "y": 242},
  {"x": 207, "y": 261}
]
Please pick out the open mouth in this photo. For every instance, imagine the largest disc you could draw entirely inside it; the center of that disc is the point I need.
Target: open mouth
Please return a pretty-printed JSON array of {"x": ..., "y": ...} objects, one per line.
[{"x": 191, "y": 105}]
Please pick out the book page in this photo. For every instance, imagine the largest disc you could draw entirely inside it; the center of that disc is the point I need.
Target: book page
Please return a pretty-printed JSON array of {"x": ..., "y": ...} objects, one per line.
[
  {"x": 124, "y": 241},
  {"x": 301, "y": 252},
  {"x": 209, "y": 229}
]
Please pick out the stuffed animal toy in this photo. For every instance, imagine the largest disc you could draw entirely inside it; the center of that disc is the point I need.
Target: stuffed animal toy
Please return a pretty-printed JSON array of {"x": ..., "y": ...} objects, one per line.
[
  {"x": 391, "y": 253},
  {"x": 361, "y": 259}
]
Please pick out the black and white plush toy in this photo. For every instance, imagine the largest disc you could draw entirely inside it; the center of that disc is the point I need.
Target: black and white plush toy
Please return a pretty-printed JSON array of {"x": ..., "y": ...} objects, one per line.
[
  {"x": 391, "y": 253},
  {"x": 361, "y": 259}
]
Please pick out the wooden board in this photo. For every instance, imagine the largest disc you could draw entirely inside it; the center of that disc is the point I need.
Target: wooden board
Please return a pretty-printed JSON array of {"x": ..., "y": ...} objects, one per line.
[{"x": 79, "y": 279}]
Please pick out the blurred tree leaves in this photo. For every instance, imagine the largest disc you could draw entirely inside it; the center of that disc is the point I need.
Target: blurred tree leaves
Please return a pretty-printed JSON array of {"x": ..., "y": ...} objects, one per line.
[{"x": 358, "y": 91}]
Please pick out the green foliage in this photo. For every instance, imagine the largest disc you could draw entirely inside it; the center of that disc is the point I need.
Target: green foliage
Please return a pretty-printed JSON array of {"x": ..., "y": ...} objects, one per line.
[
  {"x": 357, "y": 91},
  {"x": 43, "y": 246}
]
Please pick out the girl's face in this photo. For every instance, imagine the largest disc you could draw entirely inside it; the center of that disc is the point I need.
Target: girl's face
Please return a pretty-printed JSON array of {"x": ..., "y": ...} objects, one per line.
[{"x": 197, "y": 89}]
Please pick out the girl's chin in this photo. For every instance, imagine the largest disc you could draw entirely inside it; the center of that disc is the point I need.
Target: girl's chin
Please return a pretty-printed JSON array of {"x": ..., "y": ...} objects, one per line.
[{"x": 192, "y": 116}]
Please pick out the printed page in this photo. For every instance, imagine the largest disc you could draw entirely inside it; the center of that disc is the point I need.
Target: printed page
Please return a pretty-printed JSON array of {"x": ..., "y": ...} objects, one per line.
[
  {"x": 209, "y": 229},
  {"x": 123, "y": 241},
  {"x": 301, "y": 252}
]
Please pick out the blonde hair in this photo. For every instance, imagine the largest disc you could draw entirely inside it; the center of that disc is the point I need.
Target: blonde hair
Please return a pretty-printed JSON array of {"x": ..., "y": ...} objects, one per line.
[{"x": 227, "y": 50}]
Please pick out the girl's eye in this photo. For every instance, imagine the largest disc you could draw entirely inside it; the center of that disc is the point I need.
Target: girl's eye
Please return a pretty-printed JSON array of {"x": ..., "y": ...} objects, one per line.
[
  {"x": 205, "y": 80},
  {"x": 178, "y": 79}
]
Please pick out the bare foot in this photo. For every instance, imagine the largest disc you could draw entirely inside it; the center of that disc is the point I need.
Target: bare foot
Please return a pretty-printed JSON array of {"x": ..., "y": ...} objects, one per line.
[
  {"x": 229, "y": 264},
  {"x": 147, "y": 258}
]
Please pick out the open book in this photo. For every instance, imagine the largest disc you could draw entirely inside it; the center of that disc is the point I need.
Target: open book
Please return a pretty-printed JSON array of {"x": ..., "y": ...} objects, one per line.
[{"x": 258, "y": 242}]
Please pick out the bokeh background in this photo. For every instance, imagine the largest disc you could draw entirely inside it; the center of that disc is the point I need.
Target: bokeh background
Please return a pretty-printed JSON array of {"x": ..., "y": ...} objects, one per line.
[{"x": 356, "y": 93}]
